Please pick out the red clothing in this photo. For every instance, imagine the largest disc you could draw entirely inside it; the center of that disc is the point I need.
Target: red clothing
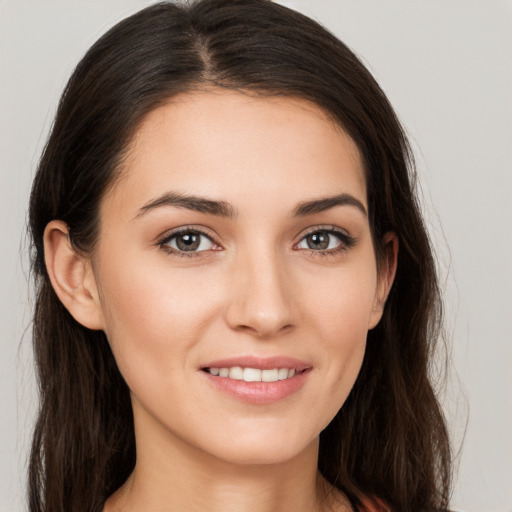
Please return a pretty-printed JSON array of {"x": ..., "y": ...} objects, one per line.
[{"x": 373, "y": 505}]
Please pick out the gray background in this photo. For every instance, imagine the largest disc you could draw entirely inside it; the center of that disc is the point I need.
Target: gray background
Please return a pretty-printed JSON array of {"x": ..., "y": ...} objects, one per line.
[{"x": 446, "y": 66}]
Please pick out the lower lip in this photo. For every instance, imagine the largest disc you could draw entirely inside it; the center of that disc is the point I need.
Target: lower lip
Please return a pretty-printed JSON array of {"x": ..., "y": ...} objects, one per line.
[{"x": 259, "y": 392}]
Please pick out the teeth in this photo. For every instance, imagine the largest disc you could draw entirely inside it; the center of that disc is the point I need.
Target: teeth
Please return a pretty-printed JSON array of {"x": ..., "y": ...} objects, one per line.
[
  {"x": 236, "y": 373},
  {"x": 283, "y": 373},
  {"x": 270, "y": 375},
  {"x": 254, "y": 374}
]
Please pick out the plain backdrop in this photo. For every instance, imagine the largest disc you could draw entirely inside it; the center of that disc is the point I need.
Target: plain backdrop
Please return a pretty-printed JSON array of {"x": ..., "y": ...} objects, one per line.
[{"x": 446, "y": 66}]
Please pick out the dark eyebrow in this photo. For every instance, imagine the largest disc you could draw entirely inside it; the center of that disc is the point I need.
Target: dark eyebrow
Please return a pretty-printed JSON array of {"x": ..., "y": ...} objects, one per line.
[
  {"x": 190, "y": 202},
  {"x": 320, "y": 205},
  {"x": 224, "y": 209}
]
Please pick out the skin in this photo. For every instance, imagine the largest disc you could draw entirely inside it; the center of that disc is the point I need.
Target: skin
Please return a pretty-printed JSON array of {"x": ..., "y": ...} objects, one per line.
[{"x": 256, "y": 289}]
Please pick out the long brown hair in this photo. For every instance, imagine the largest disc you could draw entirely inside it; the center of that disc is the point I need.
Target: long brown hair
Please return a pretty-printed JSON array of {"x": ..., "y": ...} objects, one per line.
[{"x": 389, "y": 439}]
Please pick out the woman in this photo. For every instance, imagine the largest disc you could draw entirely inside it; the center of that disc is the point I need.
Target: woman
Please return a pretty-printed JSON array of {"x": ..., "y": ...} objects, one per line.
[{"x": 237, "y": 299}]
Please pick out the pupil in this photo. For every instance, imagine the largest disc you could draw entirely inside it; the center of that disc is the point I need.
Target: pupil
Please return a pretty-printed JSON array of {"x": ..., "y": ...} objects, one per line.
[
  {"x": 188, "y": 242},
  {"x": 318, "y": 241}
]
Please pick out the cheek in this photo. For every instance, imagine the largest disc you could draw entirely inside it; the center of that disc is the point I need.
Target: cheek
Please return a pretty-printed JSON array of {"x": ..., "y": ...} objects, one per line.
[
  {"x": 154, "y": 318},
  {"x": 339, "y": 312},
  {"x": 341, "y": 302}
]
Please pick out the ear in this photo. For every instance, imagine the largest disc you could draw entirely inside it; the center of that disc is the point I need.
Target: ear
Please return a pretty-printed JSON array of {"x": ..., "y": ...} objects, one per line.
[
  {"x": 386, "y": 275},
  {"x": 71, "y": 276}
]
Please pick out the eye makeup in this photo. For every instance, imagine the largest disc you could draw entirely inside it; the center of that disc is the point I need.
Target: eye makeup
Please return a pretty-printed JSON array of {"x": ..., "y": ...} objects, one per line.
[
  {"x": 320, "y": 235},
  {"x": 193, "y": 242},
  {"x": 184, "y": 242}
]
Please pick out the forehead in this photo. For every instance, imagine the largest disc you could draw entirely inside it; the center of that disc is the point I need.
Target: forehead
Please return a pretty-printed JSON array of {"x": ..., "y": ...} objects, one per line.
[{"x": 217, "y": 142}]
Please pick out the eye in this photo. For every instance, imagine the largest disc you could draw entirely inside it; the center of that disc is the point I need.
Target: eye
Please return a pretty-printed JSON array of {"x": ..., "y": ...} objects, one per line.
[
  {"x": 326, "y": 240},
  {"x": 188, "y": 240}
]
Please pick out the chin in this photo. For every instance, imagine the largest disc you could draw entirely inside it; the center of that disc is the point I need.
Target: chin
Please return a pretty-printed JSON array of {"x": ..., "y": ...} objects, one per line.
[{"x": 259, "y": 447}]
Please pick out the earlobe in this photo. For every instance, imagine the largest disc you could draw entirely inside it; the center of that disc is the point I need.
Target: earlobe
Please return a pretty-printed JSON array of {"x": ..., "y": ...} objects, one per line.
[
  {"x": 386, "y": 276},
  {"x": 71, "y": 276}
]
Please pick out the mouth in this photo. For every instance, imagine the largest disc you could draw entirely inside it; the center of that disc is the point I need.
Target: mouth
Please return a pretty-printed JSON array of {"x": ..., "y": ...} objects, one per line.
[
  {"x": 249, "y": 374},
  {"x": 256, "y": 380}
]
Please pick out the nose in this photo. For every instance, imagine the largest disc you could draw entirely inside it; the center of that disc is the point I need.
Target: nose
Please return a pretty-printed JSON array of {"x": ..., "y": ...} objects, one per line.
[{"x": 261, "y": 301}]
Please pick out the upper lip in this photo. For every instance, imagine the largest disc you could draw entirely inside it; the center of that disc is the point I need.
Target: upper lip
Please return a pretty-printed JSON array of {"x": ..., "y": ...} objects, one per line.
[{"x": 263, "y": 363}]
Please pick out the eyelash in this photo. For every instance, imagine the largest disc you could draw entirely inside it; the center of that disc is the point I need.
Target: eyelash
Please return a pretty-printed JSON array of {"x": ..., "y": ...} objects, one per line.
[
  {"x": 162, "y": 243},
  {"x": 346, "y": 241}
]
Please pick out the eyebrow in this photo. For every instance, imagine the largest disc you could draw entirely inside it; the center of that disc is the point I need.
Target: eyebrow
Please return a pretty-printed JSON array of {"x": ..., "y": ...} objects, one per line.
[
  {"x": 326, "y": 203},
  {"x": 190, "y": 202},
  {"x": 224, "y": 209}
]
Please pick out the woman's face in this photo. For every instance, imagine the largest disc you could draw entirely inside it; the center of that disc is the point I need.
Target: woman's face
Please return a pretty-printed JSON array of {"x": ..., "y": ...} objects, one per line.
[{"x": 237, "y": 243}]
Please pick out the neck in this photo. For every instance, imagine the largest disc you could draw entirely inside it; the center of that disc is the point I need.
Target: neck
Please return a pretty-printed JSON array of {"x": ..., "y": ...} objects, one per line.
[{"x": 172, "y": 475}]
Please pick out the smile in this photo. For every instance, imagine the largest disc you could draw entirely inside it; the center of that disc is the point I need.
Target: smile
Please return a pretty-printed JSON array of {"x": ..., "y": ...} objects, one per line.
[
  {"x": 257, "y": 380},
  {"x": 254, "y": 374}
]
